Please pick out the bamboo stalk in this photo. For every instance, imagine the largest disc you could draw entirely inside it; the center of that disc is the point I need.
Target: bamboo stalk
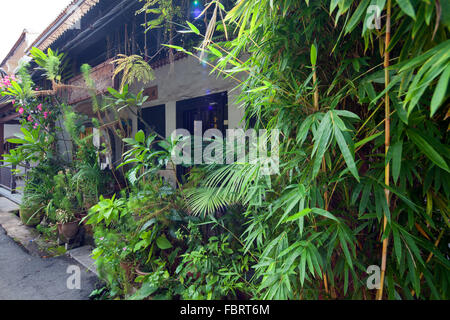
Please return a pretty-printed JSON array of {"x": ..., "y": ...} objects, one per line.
[
  {"x": 387, "y": 138},
  {"x": 316, "y": 90}
]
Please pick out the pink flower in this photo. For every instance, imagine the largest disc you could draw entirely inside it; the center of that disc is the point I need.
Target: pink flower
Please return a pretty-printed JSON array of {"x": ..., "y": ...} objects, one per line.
[
  {"x": 30, "y": 118},
  {"x": 36, "y": 125},
  {"x": 21, "y": 110},
  {"x": 45, "y": 114},
  {"x": 13, "y": 101},
  {"x": 39, "y": 107}
]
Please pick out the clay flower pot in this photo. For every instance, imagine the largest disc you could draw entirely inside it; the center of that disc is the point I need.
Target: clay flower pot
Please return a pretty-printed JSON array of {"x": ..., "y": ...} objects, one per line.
[
  {"x": 127, "y": 266},
  {"x": 68, "y": 230},
  {"x": 141, "y": 273}
]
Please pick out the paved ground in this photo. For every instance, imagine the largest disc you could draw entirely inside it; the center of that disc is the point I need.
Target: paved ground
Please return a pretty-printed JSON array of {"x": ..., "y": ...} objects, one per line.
[{"x": 27, "y": 277}]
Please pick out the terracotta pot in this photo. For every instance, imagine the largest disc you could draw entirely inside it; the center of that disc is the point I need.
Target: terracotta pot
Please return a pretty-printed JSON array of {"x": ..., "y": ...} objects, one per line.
[
  {"x": 141, "y": 273},
  {"x": 128, "y": 268},
  {"x": 68, "y": 230}
]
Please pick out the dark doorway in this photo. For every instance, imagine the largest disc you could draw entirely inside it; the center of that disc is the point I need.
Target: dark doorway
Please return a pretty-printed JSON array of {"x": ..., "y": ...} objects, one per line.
[
  {"x": 155, "y": 118},
  {"x": 211, "y": 110}
]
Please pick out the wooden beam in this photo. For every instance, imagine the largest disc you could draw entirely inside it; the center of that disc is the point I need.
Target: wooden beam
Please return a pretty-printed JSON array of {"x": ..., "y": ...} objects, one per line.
[
  {"x": 6, "y": 107},
  {"x": 8, "y": 118}
]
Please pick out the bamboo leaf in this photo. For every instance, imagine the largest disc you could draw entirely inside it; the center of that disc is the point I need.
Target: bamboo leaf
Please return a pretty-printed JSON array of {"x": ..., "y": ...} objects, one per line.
[
  {"x": 298, "y": 215},
  {"x": 325, "y": 214},
  {"x": 348, "y": 157},
  {"x": 193, "y": 28},
  {"x": 440, "y": 91},
  {"x": 396, "y": 159},
  {"x": 428, "y": 150},
  {"x": 313, "y": 55},
  {"x": 356, "y": 17},
  {"x": 407, "y": 8}
]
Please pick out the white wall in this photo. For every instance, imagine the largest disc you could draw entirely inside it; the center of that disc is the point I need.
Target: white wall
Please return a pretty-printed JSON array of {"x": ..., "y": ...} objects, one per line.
[
  {"x": 190, "y": 79},
  {"x": 11, "y": 130}
]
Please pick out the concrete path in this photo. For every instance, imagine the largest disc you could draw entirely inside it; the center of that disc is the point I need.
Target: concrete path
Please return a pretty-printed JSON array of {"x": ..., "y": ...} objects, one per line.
[{"x": 25, "y": 276}]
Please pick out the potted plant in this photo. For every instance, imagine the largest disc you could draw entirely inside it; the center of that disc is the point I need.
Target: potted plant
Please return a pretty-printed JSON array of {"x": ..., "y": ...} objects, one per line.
[
  {"x": 34, "y": 201},
  {"x": 68, "y": 224},
  {"x": 31, "y": 209},
  {"x": 127, "y": 262},
  {"x": 31, "y": 213}
]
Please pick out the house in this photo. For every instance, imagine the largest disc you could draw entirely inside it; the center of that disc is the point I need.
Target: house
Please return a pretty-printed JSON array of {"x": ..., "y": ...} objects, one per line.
[
  {"x": 94, "y": 32},
  {"x": 9, "y": 124},
  {"x": 183, "y": 91}
]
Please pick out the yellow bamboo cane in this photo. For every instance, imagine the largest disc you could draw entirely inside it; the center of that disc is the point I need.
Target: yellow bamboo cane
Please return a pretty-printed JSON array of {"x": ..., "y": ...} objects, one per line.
[{"x": 386, "y": 143}]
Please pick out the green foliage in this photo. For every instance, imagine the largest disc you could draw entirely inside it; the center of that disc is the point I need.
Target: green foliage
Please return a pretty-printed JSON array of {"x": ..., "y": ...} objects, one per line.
[
  {"x": 213, "y": 269},
  {"x": 315, "y": 227},
  {"x": 165, "y": 10},
  {"x": 64, "y": 216},
  {"x": 133, "y": 68},
  {"x": 146, "y": 161},
  {"x": 50, "y": 62},
  {"x": 107, "y": 210}
]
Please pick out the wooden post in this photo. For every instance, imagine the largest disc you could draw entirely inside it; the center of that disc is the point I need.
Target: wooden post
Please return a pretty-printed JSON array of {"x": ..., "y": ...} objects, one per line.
[
  {"x": 13, "y": 179},
  {"x": 2, "y": 139}
]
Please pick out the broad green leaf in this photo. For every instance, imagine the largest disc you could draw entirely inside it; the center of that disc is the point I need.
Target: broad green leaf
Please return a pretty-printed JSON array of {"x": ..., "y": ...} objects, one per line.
[
  {"x": 163, "y": 243},
  {"x": 146, "y": 290},
  {"x": 140, "y": 136}
]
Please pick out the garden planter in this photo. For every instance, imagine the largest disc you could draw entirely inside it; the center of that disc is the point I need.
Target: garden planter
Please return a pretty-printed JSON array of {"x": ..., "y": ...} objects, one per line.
[
  {"x": 139, "y": 272},
  {"x": 68, "y": 230},
  {"x": 29, "y": 217},
  {"x": 128, "y": 268}
]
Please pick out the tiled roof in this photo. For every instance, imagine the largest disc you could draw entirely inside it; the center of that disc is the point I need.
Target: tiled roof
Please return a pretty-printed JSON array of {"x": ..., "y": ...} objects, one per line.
[
  {"x": 14, "y": 48},
  {"x": 65, "y": 20}
]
